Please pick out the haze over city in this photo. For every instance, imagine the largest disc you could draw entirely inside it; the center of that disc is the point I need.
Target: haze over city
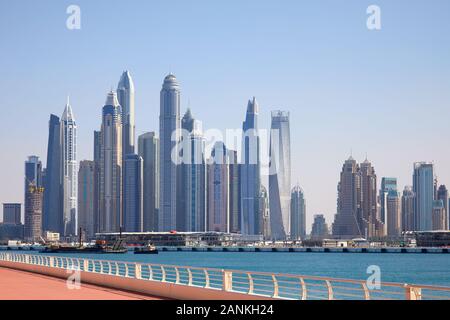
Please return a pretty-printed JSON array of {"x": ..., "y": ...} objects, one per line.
[{"x": 380, "y": 93}]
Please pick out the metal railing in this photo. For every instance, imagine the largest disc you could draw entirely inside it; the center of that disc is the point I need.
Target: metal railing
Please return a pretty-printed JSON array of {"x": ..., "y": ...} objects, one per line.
[{"x": 264, "y": 284}]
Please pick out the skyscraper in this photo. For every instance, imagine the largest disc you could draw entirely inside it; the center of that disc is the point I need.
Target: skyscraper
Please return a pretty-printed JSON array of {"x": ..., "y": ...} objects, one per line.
[
  {"x": 423, "y": 187},
  {"x": 235, "y": 192},
  {"x": 125, "y": 97},
  {"x": 407, "y": 209},
  {"x": 250, "y": 171},
  {"x": 69, "y": 170},
  {"x": 387, "y": 184},
  {"x": 97, "y": 164},
  {"x": 133, "y": 217},
  {"x": 367, "y": 221},
  {"x": 148, "y": 149},
  {"x": 169, "y": 133},
  {"x": 12, "y": 213},
  {"x": 110, "y": 219},
  {"x": 438, "y": 217},
  {"x": 319, "y": 230},
  {"x": 33, "y": 172},
  {"x": 280, "y": 175},
  {"x": 194, "y": 177},
  {"x": 53, "y": 200},
  {"x": 298, "y": 214},
  {"x": 349, "y": 202},
  {"x": 264, "y": 214},
  {"x": 86, "y": 198},
  {"x": 442, "y": 194},
  {"x": 33, "y": 212},
  {"x": 218, "y": 189},
  {"x": 393, "y": 214}
]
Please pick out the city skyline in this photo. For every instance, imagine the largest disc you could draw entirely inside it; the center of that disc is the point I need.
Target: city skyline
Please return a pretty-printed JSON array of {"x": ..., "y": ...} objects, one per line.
[{"x": 318, "y": 143}]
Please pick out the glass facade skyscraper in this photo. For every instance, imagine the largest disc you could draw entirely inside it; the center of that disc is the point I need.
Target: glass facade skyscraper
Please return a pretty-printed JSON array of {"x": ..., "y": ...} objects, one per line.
[
  {"x": 423, "y": 187},
  {"x": 169, "y": 134},
  {"x": 280, "y": 175},
  {"x": 250, "y": 171},
  {"x": 133, "y": 217},
  {"x": 69, "y": 171},
  {"x": 298, "y": 214},
  {"x": 125, "y": 96}
]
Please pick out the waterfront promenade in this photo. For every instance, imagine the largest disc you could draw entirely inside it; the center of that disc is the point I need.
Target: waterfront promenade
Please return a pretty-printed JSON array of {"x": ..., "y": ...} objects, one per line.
[{"x": 22, "y": 285}]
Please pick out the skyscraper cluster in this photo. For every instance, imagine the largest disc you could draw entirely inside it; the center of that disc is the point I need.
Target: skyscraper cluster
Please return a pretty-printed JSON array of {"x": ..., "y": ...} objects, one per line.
[
  {"x": 365, "y": 211},
  {"x": 173, "y": 182}
]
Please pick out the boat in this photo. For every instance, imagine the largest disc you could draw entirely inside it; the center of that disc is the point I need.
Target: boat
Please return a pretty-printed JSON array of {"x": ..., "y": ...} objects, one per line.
[
  {"x": 100, "y": 246},
  {"x": 149, "y": 249}
]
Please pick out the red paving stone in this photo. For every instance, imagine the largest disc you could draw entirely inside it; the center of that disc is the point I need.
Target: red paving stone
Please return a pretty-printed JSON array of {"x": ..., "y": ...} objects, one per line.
[{"x": 21, "y": 285}]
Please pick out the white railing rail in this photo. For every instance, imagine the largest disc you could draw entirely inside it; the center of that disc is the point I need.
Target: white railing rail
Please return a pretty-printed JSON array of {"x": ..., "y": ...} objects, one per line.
[{"x": 264, "y": 284}]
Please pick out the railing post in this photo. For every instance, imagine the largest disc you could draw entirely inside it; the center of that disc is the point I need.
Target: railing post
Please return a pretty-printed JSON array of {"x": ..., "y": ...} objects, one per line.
[
  {"x": 205, "y": 271},
  {"x": 227, "y": 280},
  {"x": 189, "y": 277},
  {"x": 275, "y": 286},
  {"x": 330, "y": 290},
  {"x": 366, "y": 291},
  {"x": 413, "y": 293},
  {"x": 150, "y": 271},
  {"x": 250, "y": 283},
  {"x": 163, "y": 276},
  {"x": 177, "y": 275},
  {"x": 304, "y": 292},
  {"x": 138, "y": 271},
  {"x": 86, "y": 265},
  {"x": 52, "y": 262}
]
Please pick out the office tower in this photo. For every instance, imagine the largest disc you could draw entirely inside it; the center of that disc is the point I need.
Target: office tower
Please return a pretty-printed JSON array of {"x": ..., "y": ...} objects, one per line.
[
  {"x": 169, "y": 134},
  {"x": 53, "y": 201},
  {"x": 33, "y": 212},
  {"x": 298, "y": 214},
  {"x": 110, "y": 219},
  {"x": 387, "y": 184},
  {"x": 97, "y": 166},
  {"x": 86, "y": 198},
  {"x": 133, "y": 217},
  {"x": 12, "y": 213},
  {"x": 280, "y": 175},
  {"x": 442, "y": 194},
  {"x": 193, "y": 178},
  {"x": 319, "y": 230},
  {"x": 250, "y": 171},
  {"x": 423, "y": 187},
  {"x": 264, "y": 214},
  {"x": 33, "y": 172},
  {"x": 349, "y": 202},
  {"x": 393, "y": 214},
  {"x": 125, "y": 97},
  {"x": 438, "y": 215},
  {"x": 408, "y": 199},
  {"x": 148, "y": 149},
  {"x": 218, "y": 189},
  {"x": 235, "y": 192},
  {"x": 69, "y": 171}
]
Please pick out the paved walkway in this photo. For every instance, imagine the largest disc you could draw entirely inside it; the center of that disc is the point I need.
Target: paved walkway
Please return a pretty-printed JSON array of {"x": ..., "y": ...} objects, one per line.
[{"x": 21, "y": 285}]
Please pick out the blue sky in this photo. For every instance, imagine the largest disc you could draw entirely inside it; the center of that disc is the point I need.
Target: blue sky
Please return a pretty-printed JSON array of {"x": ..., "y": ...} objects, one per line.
[{"x": 384, "y": 93}]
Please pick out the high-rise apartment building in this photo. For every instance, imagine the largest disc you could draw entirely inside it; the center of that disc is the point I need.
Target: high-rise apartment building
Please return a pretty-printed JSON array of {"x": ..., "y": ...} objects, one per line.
[
  {"x": 86, "y": 198},
  {"x": 12, "y": 213},
  {"x": 169, "y": 134},
  {"x": 319, "y": 229},
  {"x": 407, "y": 209},
  {"x": 133, "y": 217},
  {"x": 438, "y": 215},
  {"x": 125, "y": 97},
  {"x": 280, "y": 175},
  {"x": 33, "y": 212},
  {"x": 393, "y": 214},
  {"x": 298, "y": 214},
  {"x": 69, "y": 171},
  {"x": 442, "y": 194},
  {"x": 148, "y": 149},
  {"x": 110, "y": 219},
  {"x": 218, "y": 189},
  {"x": 235, "y": 192}
]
